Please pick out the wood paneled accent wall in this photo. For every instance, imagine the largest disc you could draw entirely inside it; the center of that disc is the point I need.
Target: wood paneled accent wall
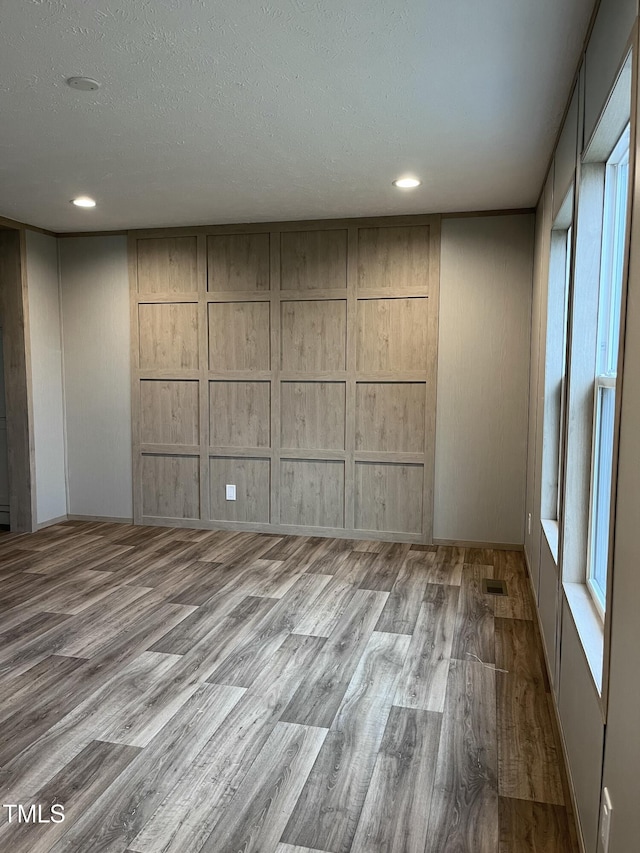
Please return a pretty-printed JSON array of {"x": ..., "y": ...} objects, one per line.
[
  {"x": 14, "y": 319},
  {"x": 296, "y": 361}
]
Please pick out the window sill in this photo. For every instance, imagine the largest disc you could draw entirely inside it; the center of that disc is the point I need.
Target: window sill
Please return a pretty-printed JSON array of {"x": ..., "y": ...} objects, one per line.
[
  {"x": 589, "y": 626},
  {"x": 550, "y": 527}
]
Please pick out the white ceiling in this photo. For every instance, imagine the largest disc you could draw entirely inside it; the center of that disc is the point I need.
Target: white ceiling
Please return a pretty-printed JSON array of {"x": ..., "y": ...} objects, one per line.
[{"x": 251, "y": 110}]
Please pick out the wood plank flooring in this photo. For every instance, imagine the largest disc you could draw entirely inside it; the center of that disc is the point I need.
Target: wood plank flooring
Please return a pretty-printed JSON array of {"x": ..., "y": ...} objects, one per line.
[{"x": 183, "y": 691}]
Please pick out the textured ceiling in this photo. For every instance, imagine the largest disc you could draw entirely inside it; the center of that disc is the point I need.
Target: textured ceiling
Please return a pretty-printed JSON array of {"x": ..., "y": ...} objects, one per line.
[{"x": 252, "y": 110}]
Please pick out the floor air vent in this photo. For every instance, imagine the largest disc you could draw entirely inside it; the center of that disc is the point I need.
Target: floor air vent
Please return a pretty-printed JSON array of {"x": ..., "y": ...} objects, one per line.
[{"x": 494, "y": 587}]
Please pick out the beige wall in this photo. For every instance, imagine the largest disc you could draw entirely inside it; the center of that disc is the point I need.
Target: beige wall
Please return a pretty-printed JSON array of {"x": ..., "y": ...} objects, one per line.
[
  {"x": 95, "y": 314},
  {"x": 46, "y": 368},
  {"x": 483, "y": 378}
]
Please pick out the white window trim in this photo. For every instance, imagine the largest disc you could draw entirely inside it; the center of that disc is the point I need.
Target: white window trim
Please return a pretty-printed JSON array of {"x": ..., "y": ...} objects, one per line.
[
  {"x": 611, "y": 270},
  {"x": 568, "y": 260},
  {"x": 603, "y": 381}
]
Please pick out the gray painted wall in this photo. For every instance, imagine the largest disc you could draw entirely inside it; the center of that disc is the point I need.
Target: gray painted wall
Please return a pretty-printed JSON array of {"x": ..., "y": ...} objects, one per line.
[
  {"x": 605, "y": 54},
  {"x": 532, "y": 535},
  {"x": 483, "y": 378},
  {"x": 564, "y": 165},
  {"x": 95, "y": 311},
  {"x": 46, "y": 371},
  {"x": 584, "y": 730},
  {"x": 622, "y": 748}
]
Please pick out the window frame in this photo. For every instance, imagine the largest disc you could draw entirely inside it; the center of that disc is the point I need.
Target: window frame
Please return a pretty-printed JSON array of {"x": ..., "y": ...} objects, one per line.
[
  {"x": 611, "y": 283},
  {"x": 556, "y": 368},
  {"x": 568, "y": 261}
]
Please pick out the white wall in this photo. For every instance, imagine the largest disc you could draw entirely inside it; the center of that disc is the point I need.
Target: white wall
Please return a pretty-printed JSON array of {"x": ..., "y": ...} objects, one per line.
[
  {"x": 483, "y": 378},
  {"x": 95, "y": 311},
  {"x": 46, "y": 369}
]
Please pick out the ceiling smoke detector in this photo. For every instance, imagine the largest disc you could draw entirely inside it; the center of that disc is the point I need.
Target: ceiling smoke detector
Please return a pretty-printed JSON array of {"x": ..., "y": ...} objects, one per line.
[{"x": 83, "y": 84}]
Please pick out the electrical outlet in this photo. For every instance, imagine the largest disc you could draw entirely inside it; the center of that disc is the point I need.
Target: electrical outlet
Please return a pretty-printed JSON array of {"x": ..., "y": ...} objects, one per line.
[
  {"x": 231, "y": 492},
  {"x": 529, "y": 523},
  {"x": 605, "y": 820}
]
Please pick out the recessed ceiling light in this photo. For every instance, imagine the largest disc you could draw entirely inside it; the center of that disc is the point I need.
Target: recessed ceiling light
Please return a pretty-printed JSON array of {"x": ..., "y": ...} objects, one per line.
[
  {"x": 83, "y": 201},
  {"x": 83, "y": 84},
  {"x": 407, "y": 183}
]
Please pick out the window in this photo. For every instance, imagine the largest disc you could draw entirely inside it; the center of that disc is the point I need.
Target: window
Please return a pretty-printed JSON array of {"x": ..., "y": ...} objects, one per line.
[
  {"x": 556, "y": 368},
  {"x": 608, "y": 337},
  {"x": 563, "y": 380}
]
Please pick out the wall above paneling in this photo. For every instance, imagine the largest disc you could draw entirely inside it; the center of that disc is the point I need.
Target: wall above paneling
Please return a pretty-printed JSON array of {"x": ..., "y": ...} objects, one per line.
[{"x": 295, "y": 362}]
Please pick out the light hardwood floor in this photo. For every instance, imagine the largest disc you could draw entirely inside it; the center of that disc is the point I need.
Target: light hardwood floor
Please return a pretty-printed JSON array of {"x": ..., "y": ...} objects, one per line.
[{"x": 182, "y": 691}]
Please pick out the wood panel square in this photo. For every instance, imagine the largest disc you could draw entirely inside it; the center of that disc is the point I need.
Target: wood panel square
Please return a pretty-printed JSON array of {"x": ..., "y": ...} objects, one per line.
[
  {"x": 239, "y": 336},
  {"x": 393, "y": 257},
  {"x": 240, "y": 414},
  {"x": 252, "y": 479},
  {"x": 167, "y": 265},
  {"x": 312, "y": 415},
  {"x": 313, "y": 260},
  {"x": 390, "y": 416},
  {"x": 171, "y": 486},
  {"x": 314, "y": 335},
  {"x": 392, "y": 335},
  {"x": 238, "y": 262},
  {"x": 388, "y": 497},
  {"x": 169, "y": 412},
  {"x": 168, "y": 334},
  {"x": 312, "y": 492}
]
